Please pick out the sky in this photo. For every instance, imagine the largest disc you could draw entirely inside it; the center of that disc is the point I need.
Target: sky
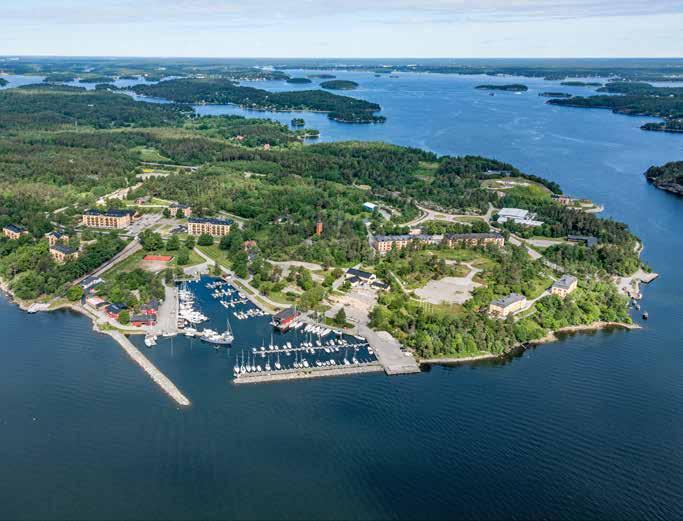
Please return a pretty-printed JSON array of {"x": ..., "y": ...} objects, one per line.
[{"x": 343, "y": 28}]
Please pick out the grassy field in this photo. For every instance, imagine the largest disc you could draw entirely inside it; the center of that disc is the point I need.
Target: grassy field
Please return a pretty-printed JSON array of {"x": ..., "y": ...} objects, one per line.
[{"x": 151, "y": 155}]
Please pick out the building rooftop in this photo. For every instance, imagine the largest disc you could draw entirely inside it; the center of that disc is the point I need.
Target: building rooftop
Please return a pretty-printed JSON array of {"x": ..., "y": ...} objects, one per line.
[
  {"x": 589, "y": 240},
  {"x": 513, "y": 213},
  {"x": 108, "y": 213},
  {"x": 509, "y": 300},
  {"x": 565, "y": 282},
  {"x": 66, "y": 250},
  {"x": 90, "y": 282},
  {"x": 14, "y": 228},
  {"x": 363, "y": 275},
  {"x": 210, "y": 220},
  {"x": 483, "y": 235},
  {"x": 285, "y": 314},
  {"x": 56, "y": 234}
]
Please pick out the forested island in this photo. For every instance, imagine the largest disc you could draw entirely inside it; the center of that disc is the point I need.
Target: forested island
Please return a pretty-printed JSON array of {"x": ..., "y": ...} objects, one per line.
[
  {"x": 339, "y": 85},
  {"x": 216, "y": 91},
  {"x": 636, "y": 99},
  {"x": 514, "y": 87},
  {"x": 581, "y": 84},
  {"x": 298, "y": 81},
  {"x": 52, "y": 169},
  {"x": 668, "y": 177},
  {"x": 555, "y": 95}
]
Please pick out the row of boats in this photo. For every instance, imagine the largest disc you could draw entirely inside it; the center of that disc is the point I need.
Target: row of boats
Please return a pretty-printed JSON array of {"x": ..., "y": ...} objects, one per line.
[
  {"x": 248, "y": 365},
  {"x": 250, "y": 313}
]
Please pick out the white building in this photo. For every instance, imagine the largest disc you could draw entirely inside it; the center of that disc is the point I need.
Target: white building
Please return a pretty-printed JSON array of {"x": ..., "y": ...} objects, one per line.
[{"x": 518, "y": 216}]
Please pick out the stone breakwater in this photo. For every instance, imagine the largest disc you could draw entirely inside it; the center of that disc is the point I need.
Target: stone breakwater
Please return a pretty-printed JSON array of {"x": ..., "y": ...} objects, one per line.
[{"x": 160, "y": 378}]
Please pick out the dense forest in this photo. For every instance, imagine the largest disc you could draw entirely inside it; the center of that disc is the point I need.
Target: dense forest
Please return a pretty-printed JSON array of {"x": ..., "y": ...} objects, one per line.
[
  {"x": 667, "y": 177},
  {"x": 339, "y": 108}
]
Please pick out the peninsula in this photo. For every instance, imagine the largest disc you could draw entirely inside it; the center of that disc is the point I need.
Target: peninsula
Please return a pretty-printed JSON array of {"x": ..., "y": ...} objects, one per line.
[
  {"x": 217, "y": 91},
  {"x": 448, "y": 246},
  {"x": 668, "y": 177}
]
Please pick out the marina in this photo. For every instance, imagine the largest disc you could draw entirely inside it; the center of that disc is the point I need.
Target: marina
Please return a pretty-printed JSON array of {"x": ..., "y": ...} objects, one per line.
[{"x": 257, "y": 347}]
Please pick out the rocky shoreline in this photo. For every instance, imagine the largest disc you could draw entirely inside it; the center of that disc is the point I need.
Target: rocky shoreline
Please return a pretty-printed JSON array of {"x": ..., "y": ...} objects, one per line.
[{"x": 550, "y": 337}]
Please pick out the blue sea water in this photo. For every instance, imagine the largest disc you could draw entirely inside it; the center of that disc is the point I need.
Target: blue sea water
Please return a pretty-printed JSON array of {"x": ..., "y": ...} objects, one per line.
[{"x": 588, "y": 427}]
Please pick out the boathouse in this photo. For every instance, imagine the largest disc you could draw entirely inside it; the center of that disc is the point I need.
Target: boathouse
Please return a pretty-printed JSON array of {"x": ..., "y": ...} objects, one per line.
[{"x": 283, "y": 320}]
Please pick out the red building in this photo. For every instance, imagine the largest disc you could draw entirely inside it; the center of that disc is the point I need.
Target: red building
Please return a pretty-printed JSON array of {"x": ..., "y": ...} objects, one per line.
[
  {"x": 284, "y": 319},
  {"x": 319, "y": 228}
]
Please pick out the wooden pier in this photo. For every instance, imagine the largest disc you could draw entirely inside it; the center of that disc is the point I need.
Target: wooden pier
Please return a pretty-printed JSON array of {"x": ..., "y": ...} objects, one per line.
[
  {"x": 160, "y": 378},
  {"x": 310, "y": 372}
]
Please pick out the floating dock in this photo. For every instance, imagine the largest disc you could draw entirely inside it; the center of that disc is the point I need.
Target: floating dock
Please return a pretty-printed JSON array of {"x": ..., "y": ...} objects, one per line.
[
  {"x": 160, "y": 378},
  {"x": 310, "y": 372}
]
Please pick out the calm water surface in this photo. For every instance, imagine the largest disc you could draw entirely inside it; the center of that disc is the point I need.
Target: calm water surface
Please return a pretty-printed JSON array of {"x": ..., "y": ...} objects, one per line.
[{"x": 590, "y": 426}]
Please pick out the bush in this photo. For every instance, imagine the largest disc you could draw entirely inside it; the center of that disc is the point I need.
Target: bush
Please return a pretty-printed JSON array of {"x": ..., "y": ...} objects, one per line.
[
  {"x": 74, "y": 293},
  {"x": 124, "y": 317}
]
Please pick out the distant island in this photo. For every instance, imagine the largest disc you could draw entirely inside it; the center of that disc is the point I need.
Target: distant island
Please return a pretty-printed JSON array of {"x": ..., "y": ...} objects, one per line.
[
  {"x": 59, "y": 77},
  {"x": 298, "y": 81},
  {"x": 298, "y": 122},
  {"x": 581, "y": 84},
  {"x": 339, "y": 85},
  {"x": 555, "y": 95},
  {"x": 668, "y": 177},
  {"x": 219, "y": 91},
  {"x": 513, "y": 87},
  {"x": 96, "y": 79},
  {"x": 322, "y": 76},
  {"x": 636, "y": 99}
]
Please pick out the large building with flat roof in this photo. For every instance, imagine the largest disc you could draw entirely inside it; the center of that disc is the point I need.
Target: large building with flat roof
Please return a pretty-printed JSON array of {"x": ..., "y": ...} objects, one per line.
[
  {"x": 507, "y": 305},
  {"x": 214, "y": 227},
  {"x": 518, "y": 216},
  {"x": 109, "y": 219}
]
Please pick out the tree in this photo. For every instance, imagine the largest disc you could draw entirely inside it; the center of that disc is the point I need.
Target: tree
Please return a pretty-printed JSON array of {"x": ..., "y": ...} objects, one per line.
[
  {"x": 74, "y": 293},
  {"x": 166, "y": 213},
  {"x": 216, "y": 270},
  {"x": 124, "y": 317},
  {"x": 183, "y": 257},
  {"x": 340, "y": 317},
  {"x": 190, "y": 242},
  {"x": 179, "y": 214},
  {"x": 205, "y": 240},
  {"x": 173, "y": 243},
  {"x": 150, "y": 240}
]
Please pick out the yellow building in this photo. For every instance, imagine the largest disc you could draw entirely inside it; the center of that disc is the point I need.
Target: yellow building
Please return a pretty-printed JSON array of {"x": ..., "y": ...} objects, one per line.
[
  {"x": 111, "y": 219},
  {"x": 55, "y": 237},
  {"x": 13, "y": 231},
  {"x": 214, "y": 227},
  {"x": 507, "y": 305},
  {"x": 564, "y": 286},
  {"x": 174, "y": 207},
  {"x": 62, "y": 253}
]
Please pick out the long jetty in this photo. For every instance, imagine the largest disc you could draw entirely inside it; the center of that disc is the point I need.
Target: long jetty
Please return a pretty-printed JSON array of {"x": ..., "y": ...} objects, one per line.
[
  {"x": 311, "y": 372},
  {"x": 160, "y": 378}
]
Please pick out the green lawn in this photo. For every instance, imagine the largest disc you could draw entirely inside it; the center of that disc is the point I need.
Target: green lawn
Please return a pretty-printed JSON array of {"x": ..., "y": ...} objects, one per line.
[{"x": 151, "y": 155}]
